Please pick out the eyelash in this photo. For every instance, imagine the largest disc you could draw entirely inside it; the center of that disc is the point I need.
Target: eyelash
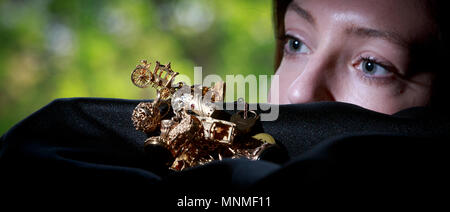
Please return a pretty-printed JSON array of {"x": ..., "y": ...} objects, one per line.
[
  {"x": 286, "y": 38},
  {"x": 374, "y": 60},
  {"x": 376, "y": 80}
]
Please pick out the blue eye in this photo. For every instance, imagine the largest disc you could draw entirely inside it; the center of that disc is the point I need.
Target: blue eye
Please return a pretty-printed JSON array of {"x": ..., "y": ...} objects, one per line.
[
  {"x": 294, "y": 45},
  {"x": 372, "y": 68}
]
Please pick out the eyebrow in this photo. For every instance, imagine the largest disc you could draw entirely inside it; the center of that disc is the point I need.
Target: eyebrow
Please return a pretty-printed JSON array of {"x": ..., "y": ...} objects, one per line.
[
  {"x": 359, "y": 31},
  {"x": 374, "y": 33},
  {"x": 302, "y": 13}
]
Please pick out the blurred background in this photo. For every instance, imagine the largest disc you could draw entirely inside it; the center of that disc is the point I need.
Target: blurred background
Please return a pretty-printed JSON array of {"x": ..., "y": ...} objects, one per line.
[{"x": 78, "y": 48}]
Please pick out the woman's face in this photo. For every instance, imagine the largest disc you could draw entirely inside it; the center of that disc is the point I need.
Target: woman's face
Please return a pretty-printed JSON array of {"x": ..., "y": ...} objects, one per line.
[{"x": 365, "y": 52}]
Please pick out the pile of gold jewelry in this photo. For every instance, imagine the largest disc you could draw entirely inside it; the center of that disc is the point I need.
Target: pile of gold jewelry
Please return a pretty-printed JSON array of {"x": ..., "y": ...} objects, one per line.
[{"x": 192, "y": 136}]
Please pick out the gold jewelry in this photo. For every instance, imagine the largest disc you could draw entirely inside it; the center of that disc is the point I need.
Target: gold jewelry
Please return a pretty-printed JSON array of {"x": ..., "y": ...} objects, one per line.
[
  {"x": 154, "y": 140},
  {"x": 161, "y": 78},
  {"x": 141, "y": 75},
  {"x": 188, "y": 130},
  {"x": 181, "y": 101},
  {"x": 218, "y": 130},
  {"x": 264, "y": 137},
  {"x": 243, "y": 119},
  {"x": 166, "y": 126},
  {"x": 195, "y": 101},
  {"x": 146, "y": 117},
  {"x": 201, "y": 107},
  {"x": 193, "y": 139}
]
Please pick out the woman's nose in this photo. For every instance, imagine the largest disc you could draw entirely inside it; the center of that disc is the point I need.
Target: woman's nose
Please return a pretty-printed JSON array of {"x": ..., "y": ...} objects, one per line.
[{"x": 313, "y": 84}]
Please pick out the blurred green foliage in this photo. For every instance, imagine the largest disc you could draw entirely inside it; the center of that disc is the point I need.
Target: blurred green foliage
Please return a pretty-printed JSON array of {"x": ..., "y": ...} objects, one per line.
[{"x": 75, "y": 48}]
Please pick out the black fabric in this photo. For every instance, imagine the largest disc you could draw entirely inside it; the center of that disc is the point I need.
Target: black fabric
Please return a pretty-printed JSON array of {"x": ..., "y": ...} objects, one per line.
[{"x": 337, "y": 153}]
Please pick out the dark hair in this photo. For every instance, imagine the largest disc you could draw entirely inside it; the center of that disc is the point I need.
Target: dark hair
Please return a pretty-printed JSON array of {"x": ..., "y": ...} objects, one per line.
[
  {"x": 439, "y": 44},
  {"x": 279, "y": 9}
]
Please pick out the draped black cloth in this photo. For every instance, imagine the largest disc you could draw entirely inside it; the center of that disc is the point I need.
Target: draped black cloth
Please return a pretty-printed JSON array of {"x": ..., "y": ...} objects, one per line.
[{"x": 335, "y": 152}]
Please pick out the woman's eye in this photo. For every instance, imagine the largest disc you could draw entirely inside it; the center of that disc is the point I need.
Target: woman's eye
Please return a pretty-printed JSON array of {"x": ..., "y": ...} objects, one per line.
[
  {"x": 373, "y": 69},
  {"x": 295, "y": 46}
]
